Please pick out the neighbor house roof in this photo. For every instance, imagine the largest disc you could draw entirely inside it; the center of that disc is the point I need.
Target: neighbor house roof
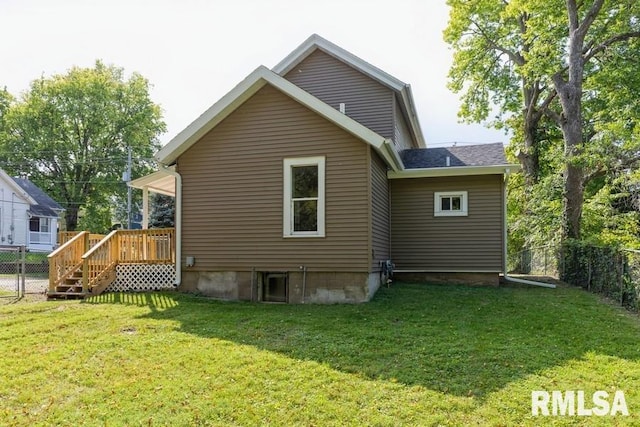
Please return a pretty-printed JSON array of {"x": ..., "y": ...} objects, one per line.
[
  {"x": 44, "y": 205},
  {"x": 246, "y": 89},
  {"x": 481, "y": 159},
  {"x": 402, "y": 90}
]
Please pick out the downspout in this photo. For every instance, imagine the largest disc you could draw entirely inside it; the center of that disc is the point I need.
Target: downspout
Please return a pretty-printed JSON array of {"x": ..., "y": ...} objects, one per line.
[
  {"x": 178, "y": 221},
  {"x": 508, "y": 278},
  {"x": 145, "y": 208}
]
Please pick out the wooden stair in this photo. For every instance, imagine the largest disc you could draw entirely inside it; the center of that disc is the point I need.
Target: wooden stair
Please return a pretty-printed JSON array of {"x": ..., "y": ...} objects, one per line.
[{"x": 71, "y": 288}]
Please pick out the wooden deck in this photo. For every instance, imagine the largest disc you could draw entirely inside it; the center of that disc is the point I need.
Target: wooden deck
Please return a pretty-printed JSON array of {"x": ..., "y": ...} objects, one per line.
[{"x": 86, "y": 263}]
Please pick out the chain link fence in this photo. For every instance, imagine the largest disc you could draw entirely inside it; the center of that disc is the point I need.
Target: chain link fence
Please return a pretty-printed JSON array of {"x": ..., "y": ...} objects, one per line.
[
  {"x": 609, "y": 271},
  {"x": 539, "y": 261},
  {"x": 22, "y": 272}
]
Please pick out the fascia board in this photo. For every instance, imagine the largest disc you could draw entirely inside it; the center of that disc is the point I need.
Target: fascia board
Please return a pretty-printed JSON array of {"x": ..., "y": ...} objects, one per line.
[
  {"x": 316, "y": 42},
  {"x": 407, "y": 100},
  {"x": 392, "y": 156},
  {"x": 243, "y": 91},
  {"x": 19, "y": 191},
  {"x": 325, "y": 110},
  {"x": 211, "y": 117},
  {"x": 454, "y": 171}
]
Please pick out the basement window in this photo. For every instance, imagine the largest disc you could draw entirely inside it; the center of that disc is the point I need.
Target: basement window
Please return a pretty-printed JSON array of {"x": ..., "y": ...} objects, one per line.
[
  {"x": 303, "y": 209},
  {"x": 450, "y": 203}
]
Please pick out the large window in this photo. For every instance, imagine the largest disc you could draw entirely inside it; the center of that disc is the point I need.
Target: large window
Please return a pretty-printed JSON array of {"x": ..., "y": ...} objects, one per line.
[
  {"x": 304, "y": 197},
  {"x": 450, "y": 203},
  {"x": 41, "y": 225}
]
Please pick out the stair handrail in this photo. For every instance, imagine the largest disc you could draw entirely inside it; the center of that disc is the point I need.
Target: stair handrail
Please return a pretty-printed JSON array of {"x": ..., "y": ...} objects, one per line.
[
  {"x": 98, "y": 260},
  {"x": 67, "y": 258}
]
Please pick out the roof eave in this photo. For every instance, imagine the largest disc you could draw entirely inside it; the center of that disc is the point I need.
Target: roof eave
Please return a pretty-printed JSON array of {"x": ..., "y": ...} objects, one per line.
[
  {"x": 211, "y": 117},
  {"x": 316, "y": 42},
  {"x": 243, "y": 91},
  {"x": 155, "y": 182},
  {"x": 404, "y": 90},
  {"x": 407, "y": 99},
  {"x": 454, "y": 171}
]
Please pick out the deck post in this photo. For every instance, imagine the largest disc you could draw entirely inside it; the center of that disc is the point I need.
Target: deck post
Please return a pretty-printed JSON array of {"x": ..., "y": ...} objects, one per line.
[{"x": 85, "y": 276}]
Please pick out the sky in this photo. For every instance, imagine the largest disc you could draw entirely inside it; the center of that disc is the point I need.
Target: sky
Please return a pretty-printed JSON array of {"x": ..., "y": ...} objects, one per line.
[{"x": 195, "y": 51}]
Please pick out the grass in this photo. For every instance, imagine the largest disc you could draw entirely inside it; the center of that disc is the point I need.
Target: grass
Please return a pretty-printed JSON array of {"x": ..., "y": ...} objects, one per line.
[{"x": 415, "y": 355}]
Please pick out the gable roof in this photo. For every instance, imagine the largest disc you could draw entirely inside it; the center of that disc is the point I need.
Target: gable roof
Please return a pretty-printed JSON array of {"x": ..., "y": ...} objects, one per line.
[
  {"x": 470, "y": 155},
  {"x": 245, "y": 90},
  {"x": 44, "y": 205},
  {"x": 19, "y": 191},
  {"x": 402, "y": 89}
]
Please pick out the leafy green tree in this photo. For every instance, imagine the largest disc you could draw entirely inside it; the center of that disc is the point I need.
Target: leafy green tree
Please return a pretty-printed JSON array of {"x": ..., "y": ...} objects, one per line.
[
  {"x": 72, "y": 132},
  {"x": 548, "y": 65}
]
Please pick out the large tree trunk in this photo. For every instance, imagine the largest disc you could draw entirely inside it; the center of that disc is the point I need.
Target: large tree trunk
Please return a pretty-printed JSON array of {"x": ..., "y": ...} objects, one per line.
[
  {"x": 71, "y": 217},
  {"x": 573, "y": 200},
  {"x": 570, "y": 94},
  {"x": 529, "y": 157}
]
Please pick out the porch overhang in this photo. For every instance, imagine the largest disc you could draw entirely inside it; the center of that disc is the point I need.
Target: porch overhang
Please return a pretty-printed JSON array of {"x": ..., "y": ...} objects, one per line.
[{"x": 161, "y": 182}]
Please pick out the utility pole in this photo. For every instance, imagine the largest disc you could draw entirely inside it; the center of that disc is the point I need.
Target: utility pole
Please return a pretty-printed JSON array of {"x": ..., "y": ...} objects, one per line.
[{"x": 129, "y": 224}]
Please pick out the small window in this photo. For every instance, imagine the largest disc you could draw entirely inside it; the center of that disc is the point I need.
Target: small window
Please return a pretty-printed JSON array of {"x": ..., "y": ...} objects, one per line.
[
  {"x": 450, "y": 203},
  {"x": 303, "y": 197}
]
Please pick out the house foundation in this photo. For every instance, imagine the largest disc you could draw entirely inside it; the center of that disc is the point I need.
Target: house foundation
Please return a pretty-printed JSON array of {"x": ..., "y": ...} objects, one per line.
[{"x": 294, "y": 287}]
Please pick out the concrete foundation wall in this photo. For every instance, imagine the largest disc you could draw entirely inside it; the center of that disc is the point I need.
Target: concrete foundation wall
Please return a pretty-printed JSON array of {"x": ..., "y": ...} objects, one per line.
[
  {"x": 318, "y": 287},
  {"x": 472, "y": 279}
]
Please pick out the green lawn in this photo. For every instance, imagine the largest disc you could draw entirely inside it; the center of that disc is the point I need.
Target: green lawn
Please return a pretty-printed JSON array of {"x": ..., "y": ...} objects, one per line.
[{"x": 415, "y": 355}]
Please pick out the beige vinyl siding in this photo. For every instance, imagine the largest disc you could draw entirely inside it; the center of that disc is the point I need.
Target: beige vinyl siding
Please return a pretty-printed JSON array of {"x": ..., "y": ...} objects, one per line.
[
  {"x": 401, "y": 134},
  {"x": 233, "y": 191},
  {"x": 420, "y": 241},
  {"x": 380, "y": 211},
  {"x": 334, "y": 82}
]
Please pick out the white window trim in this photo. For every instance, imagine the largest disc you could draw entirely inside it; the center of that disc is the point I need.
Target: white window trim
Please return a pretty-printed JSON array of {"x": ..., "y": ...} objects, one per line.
[
  {"x": 287, "y": 223},
  {"x": 464, "y": 204}
]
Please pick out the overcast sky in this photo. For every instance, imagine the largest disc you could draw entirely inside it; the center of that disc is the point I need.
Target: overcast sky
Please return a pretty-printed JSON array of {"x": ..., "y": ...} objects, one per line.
[{"x": 195, "y": 51}]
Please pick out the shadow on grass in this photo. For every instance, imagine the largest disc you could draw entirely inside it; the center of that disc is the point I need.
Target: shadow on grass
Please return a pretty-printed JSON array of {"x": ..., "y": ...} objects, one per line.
[{"x": 454, "y": 339}]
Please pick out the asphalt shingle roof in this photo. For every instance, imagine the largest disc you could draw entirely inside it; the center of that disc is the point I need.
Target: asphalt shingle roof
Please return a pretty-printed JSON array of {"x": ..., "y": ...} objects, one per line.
[
  {"x": 464, "y": 155},
  {"x": 46, "y": 207}
]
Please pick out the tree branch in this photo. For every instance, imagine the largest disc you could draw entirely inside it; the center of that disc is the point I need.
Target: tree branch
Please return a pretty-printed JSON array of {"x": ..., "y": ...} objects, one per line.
[
  {"x": 610, "y": 41},
  {"x": 514, "y": 56},
  {"x": 591, "y": 15},
  {"x": 553, "y": 115}
]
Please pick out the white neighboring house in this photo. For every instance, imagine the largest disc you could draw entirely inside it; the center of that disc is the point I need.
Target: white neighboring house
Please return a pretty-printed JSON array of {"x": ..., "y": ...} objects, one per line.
[{"x": 28, "y": 216}]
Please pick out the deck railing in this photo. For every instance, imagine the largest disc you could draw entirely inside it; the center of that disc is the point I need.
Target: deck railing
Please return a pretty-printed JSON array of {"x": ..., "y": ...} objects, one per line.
[
  {"x": 154, "y": 246},
  {"x": 65, "y": 236},
  {"x": 67, "y": 258}
]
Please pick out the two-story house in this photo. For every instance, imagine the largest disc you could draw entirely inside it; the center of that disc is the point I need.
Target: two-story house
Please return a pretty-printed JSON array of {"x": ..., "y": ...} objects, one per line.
[{"x": 304, "y": 182}]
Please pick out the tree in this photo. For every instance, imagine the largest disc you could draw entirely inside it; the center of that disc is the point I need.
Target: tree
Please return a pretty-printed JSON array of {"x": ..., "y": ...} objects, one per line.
[
  {"x": 72, "y": 132},
  {"x": 163, "y": 211},
  {"x": 544, "y": 64},
  {"x": 5, "y": 102}
]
